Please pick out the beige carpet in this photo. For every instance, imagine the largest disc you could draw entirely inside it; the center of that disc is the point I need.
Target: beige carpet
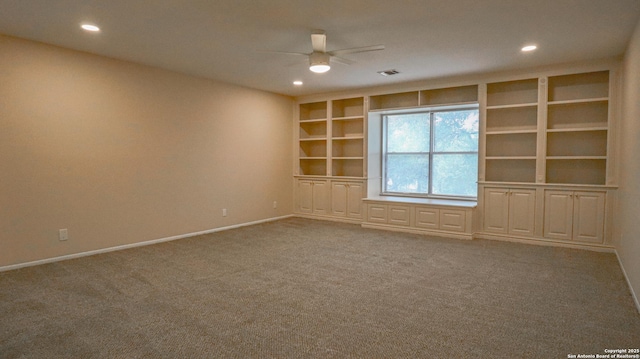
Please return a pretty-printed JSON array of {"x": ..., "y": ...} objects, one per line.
[{"x": 299, "y": 288}]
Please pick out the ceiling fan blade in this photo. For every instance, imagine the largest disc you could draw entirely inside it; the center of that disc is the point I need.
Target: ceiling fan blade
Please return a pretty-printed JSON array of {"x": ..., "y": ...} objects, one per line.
[
  {"x": 319, "y": 41},
  {"x": 357, "y": 49},
  {"x": 342, "y": 60},
  {"x": 284, "y": 52}
]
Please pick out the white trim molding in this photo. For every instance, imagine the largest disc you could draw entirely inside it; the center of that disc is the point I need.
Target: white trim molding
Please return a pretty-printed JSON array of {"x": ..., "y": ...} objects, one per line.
[
  {"x": 626, "y": 277},
  {"x": 134, "y": 245}
]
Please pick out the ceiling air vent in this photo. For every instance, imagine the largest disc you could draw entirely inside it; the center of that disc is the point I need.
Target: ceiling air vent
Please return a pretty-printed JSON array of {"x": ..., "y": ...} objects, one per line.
[{"x": 389, "y": 72}]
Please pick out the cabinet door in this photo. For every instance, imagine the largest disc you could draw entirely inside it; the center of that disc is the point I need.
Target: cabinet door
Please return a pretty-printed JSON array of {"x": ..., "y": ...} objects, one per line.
[
  {"x": 377, "y": 213},
  {"x": 522, "y": 208},
  {"x": 339, "y": 193},
  {"x": 452, "y": 220},
  {"x": 496, "y": 210},
  {"x": 320, "y": 197},
  {"x": 354, "y": 200},
  {"x": 427, "y": 217},
  {"x": 558, "y": 214},
  {"x": 399, "y": 215},
  {"x": 305, "y": 196},
  {"x": 588, "y": 216}
]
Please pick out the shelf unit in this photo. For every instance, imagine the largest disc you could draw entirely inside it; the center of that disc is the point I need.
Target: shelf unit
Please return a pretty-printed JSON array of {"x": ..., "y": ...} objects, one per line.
[
  {"x": 424, "y": 98},
  {"x": 449, "y": 95},
  {"x": 332, "y": 144},
  {"x": 313, "y": 138},
  {"x": 577, "y": 128},
  {"x": 332, "y": 138},
  {"x": 511, "y": 136},
  {"x": 347, "y": 137},
  {"x": 394, "y": 101}
]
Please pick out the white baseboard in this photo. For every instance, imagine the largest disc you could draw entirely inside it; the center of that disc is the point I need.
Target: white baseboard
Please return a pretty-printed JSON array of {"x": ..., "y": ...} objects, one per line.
[
  {"x": 544, "y": 242},
  {"x": 626, "y": 277},
  {"x": 133, "y": 245}
]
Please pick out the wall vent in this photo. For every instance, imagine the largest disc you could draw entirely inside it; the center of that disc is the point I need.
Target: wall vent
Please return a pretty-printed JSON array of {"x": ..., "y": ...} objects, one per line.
[{"x": 389, "y": 72}]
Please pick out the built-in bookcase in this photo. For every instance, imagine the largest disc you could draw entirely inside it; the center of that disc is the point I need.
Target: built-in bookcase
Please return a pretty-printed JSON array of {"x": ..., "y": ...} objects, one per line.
[
  {"x": 332, "y": 138},
  {"x": 577, "y": 128},
  {"x": 565, "y": 144},
  {"x": 313, "y": 138},
  {"x": 347, "y": 137},
  {"x": 511, "y": 131}
]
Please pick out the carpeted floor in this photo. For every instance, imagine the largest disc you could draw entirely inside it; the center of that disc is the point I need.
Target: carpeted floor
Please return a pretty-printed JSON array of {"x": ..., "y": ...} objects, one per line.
[{"x": 300, "y": 288}]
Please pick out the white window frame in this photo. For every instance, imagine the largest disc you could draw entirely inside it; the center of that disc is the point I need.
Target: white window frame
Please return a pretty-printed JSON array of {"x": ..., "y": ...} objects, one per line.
[{"x": 430, "y": 111}]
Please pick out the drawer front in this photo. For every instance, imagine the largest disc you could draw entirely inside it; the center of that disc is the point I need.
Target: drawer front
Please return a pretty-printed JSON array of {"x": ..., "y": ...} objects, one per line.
[
  {"x": 377, "y": 213},
  {"x": 427, "y": 218},
  {"x": 452, "y": 220},
  {"x": 399, "y": 215}
]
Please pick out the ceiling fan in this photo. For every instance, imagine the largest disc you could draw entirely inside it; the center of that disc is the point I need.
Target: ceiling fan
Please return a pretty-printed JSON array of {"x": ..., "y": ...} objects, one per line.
[{"x": 320, "y": 59}]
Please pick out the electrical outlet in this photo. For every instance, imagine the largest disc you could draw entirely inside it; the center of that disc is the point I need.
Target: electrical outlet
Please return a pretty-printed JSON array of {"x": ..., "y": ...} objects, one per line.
[
  {"x": 224, "y": 212},
  {"x": 63, "y": 234},
  {"x": 275, "y": 204}
]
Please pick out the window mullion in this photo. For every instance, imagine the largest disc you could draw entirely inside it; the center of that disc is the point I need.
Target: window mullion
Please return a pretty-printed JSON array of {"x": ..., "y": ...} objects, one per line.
[{"x": 432, "y": 136}]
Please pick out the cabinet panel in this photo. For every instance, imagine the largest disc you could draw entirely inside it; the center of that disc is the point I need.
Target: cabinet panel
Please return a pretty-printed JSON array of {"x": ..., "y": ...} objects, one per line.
[
  {"x": 339, "y": 198},
  {"x": 496, "y": 210},
  {"x": 399, "y": 215},
  {"x": 577, "y": 216},
  {"x": 588, "y": 220},
  {"x": 305, "y": 196},
  {"x": 452, "y": 220},
  {"x": 522, "y": 207},
  {"x": 346, "y": 199},
  {"x": 320, "y": 197},
  {"x": 427, "y": 217},
  {"x": 509, "y": 211},
  {"x": 558, "y": 214},
  {"x": 377, "y": 213},
  {"x": 354, "y": 200}
]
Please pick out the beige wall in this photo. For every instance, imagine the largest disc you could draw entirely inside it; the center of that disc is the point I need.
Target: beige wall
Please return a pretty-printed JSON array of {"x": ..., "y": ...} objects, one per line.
[
  {"x": 628, "y": 211},
  {"x": 121, "y": 153}
]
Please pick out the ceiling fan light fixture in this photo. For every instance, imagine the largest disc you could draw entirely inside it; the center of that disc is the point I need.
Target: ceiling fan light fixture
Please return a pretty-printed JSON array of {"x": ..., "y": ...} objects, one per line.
[
  {"x": 90, "y": 27},
  {"x": 319, "y": 62}
]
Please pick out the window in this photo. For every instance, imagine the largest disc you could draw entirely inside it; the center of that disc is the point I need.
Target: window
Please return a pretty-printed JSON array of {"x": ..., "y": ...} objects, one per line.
[{"x": 431, "y": 153}]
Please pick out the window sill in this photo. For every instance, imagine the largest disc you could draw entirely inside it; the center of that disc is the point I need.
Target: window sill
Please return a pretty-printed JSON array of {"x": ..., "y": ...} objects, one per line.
[{"x": 425, "y": 201}]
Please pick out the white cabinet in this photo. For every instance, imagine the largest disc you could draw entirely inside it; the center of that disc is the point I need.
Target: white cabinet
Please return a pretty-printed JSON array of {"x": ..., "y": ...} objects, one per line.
[
  {"x": 377, "y": 213},
  {"x": 427, "y": 217},
  {"x": 453, "y": 220},
  {"x": 509, "y": 211},
  {"x": 574, "y": 215},
  {"x": 422, "y": 216},
  {"x": 399, "y": 215},
  {"x": 330, "y": 199},
  {"x": 346, "y": 199},
  {"x": 312, "y": 196},
  {"x": 392, "y": 214}
]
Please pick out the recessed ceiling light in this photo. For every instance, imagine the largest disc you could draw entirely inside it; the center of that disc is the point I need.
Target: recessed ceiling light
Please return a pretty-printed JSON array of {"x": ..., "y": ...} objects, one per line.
[
  {"x": 297, "y": 83},
  {"x": 89, "y": 27},
  {"x": 529, "y": 48}
]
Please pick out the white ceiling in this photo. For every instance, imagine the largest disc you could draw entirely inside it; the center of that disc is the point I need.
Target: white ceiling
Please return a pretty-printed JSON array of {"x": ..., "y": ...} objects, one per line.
[{"x": 228, "y": 40}]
